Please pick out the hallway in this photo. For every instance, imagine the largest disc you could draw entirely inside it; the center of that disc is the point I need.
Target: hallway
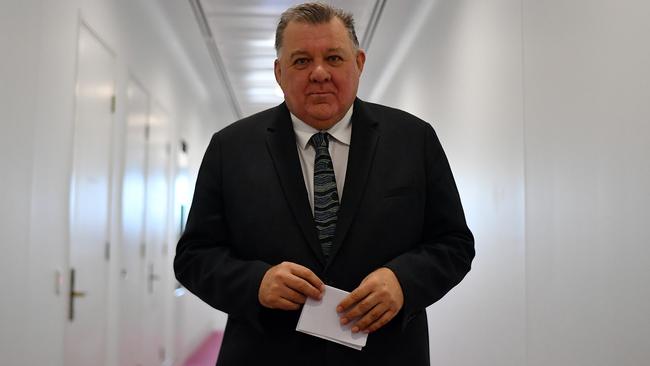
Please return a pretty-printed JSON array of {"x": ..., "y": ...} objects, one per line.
[{"x": 542, "y": 108}]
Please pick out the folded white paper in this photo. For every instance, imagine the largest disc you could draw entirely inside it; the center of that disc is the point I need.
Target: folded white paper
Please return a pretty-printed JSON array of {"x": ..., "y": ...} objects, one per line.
[{"x": 320, "y": 319}]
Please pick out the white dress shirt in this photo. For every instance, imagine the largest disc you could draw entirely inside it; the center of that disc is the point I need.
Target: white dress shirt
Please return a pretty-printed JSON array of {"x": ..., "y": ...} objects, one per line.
[{"x": 339, "y": 147}]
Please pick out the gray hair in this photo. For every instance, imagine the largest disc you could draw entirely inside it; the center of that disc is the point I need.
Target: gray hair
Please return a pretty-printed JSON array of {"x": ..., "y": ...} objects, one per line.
[{"x": 314, "y": 13}]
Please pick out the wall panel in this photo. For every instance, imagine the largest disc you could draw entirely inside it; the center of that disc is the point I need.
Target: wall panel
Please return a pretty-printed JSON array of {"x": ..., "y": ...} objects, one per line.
[
  {"x": 462, "y": 74},
  {"x": 587, "y": 92}
]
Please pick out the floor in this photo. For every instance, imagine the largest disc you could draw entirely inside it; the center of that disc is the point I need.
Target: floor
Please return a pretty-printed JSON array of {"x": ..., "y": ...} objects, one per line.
[{"x": 206, "y": 353}]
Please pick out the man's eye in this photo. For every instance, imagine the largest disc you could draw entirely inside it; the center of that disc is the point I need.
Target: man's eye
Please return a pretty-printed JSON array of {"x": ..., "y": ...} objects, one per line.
[
  {"x": 334, "y": 58},
  {"x": 300, "y": 61}
]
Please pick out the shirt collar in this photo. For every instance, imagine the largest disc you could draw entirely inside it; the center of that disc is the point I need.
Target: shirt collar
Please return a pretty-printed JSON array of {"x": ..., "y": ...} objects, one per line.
[{"x": 341, "y": 131}]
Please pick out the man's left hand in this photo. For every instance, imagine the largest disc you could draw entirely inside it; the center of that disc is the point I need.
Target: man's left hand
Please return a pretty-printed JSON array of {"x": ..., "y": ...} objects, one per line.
[{"x": 374, "y": 303}]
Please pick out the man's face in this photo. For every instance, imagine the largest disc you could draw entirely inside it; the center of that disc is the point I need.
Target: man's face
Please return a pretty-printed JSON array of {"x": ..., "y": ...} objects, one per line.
[{"x": 318, "y": 70}]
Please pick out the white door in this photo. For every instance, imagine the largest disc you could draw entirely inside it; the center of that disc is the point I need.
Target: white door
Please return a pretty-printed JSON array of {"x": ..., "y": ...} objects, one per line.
[
  {"x": 156, "y": 236},
  {"x": 132, "y": 261},
  {"x": 90, "y": 203}
]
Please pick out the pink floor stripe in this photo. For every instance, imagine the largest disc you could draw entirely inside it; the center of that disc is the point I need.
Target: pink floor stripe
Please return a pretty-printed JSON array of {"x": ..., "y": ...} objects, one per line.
[{"x": 206, "y": 353}]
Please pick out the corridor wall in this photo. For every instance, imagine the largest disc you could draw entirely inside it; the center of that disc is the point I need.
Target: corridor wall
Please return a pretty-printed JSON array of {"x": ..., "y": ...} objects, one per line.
[
  {"x": 20, "y": 32},
  {"x": 587, "y": 123},
  {"x": 542, "y": 107},
  {"x": 458, "y": 66},
  {"x": 39, "y": 40}
]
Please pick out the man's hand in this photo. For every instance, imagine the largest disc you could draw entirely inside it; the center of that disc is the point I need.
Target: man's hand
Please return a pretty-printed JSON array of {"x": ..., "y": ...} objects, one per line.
[
  {"x": 375, "y": 302},
  {"x": 287, "y": 286}
]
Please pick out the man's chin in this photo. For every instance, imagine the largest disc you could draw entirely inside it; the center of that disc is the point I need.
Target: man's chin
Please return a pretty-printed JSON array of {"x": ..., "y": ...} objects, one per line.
[
  {"x": 321, "y": 121},
  {"x": 322, "y": 113}
]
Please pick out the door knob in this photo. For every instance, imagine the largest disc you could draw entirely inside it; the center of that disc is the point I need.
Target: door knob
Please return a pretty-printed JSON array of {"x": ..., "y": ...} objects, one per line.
[
  {"x": 73, "y": 294},
  {"x": 152, "y": 277}
]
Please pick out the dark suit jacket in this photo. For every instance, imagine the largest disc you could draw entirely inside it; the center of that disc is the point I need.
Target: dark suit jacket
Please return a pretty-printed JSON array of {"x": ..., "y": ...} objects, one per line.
[{"x": 400, "y": 209}]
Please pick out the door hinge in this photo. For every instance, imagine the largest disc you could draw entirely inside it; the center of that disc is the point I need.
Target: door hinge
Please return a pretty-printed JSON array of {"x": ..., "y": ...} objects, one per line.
[
  {"x": 113, "y": 103},
  {"x": 58, "y": 282},
  {"x": 107, "y": 251}
]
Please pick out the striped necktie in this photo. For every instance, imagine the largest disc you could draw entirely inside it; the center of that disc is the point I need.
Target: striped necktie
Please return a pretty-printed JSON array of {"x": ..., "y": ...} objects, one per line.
[{"x": 326, "y": 198}]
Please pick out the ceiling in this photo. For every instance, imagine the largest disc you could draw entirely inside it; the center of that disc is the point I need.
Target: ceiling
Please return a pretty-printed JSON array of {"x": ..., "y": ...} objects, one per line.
[{"x": 240, "y": 35}]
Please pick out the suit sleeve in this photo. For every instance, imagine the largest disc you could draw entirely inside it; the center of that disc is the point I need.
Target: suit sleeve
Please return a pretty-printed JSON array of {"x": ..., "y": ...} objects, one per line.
[
  {"x": 443, "y": 258},
  {"x": 205, "y": 263}
]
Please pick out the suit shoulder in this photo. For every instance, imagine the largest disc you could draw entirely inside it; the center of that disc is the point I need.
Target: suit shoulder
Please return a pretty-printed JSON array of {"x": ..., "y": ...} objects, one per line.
[
  {"x": 250, "y": 125},
  {"x": 250, "y": 131}
]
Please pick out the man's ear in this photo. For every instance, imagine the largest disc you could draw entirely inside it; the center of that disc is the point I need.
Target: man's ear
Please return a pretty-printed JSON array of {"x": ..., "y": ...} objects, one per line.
[
  {"x": 361, "y": 60},
  {"x": 277, "y": 71}
]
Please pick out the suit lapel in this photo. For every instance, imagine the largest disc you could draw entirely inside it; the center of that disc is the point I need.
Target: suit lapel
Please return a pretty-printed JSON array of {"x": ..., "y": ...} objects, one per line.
[
  {"x": 362, "y": 151},
  {"x": 281, "y": 143}
]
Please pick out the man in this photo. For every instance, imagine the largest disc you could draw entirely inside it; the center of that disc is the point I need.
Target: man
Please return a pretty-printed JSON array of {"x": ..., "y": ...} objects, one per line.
[{"x": 267, "y": 229}]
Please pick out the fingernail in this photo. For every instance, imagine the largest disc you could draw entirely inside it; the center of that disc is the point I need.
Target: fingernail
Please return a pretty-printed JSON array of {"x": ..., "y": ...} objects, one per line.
[
  {"x": 355, "y": 329},
  {"x": 339, "y": 309},
  {"x": 344, "y": 321}
]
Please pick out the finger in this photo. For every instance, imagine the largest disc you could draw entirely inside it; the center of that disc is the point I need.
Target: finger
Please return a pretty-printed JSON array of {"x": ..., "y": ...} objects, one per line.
[
  {"x": 293, "y": 296},
  {"x": 369, "y": 317},
  {"x": 360, "y": 309},
  {"x": 298, "y": 284},
  {"x": 383, "y": 320},
  {"x": 273, "y": 287},
  {"x": 354, "y": 297},
  {"x": 309, "y": 276},
  {"x": 303, "y": 280},
  {"x": 284, "y": 304}
]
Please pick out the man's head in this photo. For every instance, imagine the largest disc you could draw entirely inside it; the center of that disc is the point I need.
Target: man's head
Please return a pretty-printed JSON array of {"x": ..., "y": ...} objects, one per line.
[{"x": 319, "y": 62}]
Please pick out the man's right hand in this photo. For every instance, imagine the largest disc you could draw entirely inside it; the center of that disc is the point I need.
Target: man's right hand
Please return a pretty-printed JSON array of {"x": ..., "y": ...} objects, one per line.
[{"x": 287, "y": 286}]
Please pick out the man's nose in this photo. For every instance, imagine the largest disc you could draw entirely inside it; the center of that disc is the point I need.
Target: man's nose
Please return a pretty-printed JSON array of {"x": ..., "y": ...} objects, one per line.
[{"x": 319, "y": 74}]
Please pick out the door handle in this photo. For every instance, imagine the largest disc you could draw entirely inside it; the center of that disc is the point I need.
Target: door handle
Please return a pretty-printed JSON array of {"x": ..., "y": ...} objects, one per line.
[
  {"x": 152, "y": 277},
  {"x": 73, "y": 294}
]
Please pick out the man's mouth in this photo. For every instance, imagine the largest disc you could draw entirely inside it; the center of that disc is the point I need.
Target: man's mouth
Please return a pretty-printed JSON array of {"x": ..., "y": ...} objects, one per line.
[{"x": 319, "y": 94}]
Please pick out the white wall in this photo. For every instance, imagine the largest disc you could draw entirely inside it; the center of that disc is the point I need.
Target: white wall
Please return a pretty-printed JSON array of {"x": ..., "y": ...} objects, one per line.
[
  {"x": 587, "y": 97},
  {"x": 38, "y": 39},
  {"x": 19, "y": 32},
  {"x": 462, "y": 73},
  {"x": 543, "y": 109}
]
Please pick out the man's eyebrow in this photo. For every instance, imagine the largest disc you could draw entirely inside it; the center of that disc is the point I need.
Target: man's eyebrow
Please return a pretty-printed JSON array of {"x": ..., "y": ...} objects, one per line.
[
  {"x": 335, "y": 49},
  {"x": 303, "y": 53},
  {"x": 297, "y": 53}
]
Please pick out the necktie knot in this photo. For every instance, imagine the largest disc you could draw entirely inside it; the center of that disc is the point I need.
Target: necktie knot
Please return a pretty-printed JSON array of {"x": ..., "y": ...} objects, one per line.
[{"x": 320, "y": 140}]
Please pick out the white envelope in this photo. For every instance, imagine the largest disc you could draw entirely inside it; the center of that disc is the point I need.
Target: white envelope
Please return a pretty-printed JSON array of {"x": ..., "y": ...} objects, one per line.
[{"x": 320, "y": 319}]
